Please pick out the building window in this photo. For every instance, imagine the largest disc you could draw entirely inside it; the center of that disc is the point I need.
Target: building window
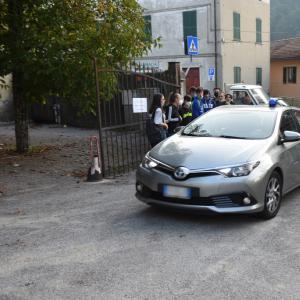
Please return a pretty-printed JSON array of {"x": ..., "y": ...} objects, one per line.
[
  {"x": 258, "y": 31},
  {"x": 189, "y": 23},
  {"x": 289, "y": 75},
  {"x": 237, "y": 74},
  {"x": 259, "y": 76},
  {"x": 189, "y": 26},
  {"x": 236, "y": 26},
  {"x": 148, "y": 26}
]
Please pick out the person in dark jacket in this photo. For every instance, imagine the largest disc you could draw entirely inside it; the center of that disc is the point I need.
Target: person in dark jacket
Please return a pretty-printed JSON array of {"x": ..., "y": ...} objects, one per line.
[
  {"x": 172, "y": 111},
  {"x": 186, "y": 110}
]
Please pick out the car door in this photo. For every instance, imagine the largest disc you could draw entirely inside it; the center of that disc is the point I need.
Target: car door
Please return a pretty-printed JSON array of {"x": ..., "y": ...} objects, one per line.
[
  {"x": 296, "y": 115},
  {"x": 290, "y": 152}
]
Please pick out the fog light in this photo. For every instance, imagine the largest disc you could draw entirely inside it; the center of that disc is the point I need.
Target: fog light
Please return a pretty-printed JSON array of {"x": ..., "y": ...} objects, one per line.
[
  {"x": 139, "y": 187},
  {"x": 247, "y": 201}
]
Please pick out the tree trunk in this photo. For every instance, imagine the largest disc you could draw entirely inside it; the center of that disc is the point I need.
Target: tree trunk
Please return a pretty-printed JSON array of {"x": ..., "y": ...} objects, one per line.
[
  {"x": 15, "y": 22},
  {"x": 21, "y": 114}
]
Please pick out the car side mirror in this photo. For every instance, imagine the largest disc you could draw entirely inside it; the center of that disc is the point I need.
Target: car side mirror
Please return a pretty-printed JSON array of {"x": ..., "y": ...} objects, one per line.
[
  {"x": 290, "y": 136},
  {"x": 179, "y": 128}
]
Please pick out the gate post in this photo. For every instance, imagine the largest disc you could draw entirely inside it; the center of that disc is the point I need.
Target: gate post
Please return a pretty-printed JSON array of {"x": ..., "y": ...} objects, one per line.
[
  {"x": 174, "y": 70},
  {"x": 99, "y": 115}
]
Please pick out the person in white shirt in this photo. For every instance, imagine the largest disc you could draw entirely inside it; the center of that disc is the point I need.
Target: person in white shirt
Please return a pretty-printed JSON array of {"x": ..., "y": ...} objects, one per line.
[{"x": 159, "y": 119}]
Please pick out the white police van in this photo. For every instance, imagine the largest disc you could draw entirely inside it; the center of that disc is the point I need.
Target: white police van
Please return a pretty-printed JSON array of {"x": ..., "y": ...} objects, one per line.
[{"x": 255, "y": 94}]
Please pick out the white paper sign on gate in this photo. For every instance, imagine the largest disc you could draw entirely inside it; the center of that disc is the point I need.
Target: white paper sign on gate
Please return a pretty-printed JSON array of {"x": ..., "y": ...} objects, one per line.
[{"x": 139, "y": 105}]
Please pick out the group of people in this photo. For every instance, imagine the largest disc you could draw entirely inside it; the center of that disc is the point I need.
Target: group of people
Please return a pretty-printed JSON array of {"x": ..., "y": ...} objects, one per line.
[{"x": 180, "y": 112}]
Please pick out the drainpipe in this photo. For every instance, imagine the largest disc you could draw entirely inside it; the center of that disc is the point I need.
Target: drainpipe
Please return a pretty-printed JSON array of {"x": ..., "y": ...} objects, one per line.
[{"x": 216, "y": 43}]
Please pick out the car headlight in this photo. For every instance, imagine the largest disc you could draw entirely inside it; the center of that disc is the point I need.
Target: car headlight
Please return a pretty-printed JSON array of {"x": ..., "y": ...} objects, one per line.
[
  {"x": 239, "y": 171},
  {"x": 148, "y": 163}
]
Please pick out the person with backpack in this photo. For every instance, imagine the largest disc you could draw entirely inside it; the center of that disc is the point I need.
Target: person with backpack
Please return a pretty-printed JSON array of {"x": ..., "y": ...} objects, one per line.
[
  {"x": 156, "y": 126},
  {"x": 173, "y": 116}
]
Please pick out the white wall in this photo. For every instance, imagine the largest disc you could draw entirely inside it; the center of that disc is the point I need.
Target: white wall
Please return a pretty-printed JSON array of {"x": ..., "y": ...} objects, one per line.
[{"x": 167, "y": 23}]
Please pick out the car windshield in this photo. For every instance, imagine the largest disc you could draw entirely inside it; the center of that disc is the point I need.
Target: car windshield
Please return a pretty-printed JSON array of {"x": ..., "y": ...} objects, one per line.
[
  {"x": 237, "y": 124},
  {"x": 260, "y": 95}
]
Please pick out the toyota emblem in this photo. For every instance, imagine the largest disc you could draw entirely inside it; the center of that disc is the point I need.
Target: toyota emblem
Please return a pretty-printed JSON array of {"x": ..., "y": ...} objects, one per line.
[{"x": 181, "y": 173}]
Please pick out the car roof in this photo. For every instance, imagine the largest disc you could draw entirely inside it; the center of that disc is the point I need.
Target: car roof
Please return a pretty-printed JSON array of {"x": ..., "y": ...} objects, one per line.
[
  {"x": 244, "y": 86},
  {"x": 255, "y": 108}
]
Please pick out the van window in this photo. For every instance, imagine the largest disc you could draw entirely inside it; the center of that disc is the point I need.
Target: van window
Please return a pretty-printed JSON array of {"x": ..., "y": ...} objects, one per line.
[
  {"x": 260, "y": 96},
  {"x": 242, "y": 98}
]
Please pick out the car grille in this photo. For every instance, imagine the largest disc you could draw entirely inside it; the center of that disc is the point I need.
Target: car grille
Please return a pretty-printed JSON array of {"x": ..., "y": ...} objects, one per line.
[
  {"x": 226, "y": 201},
  {"x": 170, "y": 172}
]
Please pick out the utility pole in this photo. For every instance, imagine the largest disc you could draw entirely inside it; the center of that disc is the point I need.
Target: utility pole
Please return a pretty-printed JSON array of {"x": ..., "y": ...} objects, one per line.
[{"x": 216, "y": 43}]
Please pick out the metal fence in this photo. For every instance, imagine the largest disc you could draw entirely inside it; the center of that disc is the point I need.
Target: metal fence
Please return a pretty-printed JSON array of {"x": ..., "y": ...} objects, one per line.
[{"x": 123, "y": 139}]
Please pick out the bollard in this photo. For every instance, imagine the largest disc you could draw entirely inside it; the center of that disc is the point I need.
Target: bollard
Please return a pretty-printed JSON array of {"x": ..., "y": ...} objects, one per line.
[{"x": 94, "y": 172}]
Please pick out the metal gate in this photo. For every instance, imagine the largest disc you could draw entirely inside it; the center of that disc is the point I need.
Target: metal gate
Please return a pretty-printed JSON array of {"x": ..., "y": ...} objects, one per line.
[{"x": 123, "y": 139}]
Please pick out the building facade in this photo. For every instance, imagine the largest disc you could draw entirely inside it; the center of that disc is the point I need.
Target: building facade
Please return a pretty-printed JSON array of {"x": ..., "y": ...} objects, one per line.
[
  {"x": 285, "y": 68},
  {"x": 234, "y": 38}
]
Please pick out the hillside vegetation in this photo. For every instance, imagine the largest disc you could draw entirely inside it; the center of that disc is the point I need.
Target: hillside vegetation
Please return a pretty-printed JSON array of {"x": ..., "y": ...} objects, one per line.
[{"x": 285, "y": 19}]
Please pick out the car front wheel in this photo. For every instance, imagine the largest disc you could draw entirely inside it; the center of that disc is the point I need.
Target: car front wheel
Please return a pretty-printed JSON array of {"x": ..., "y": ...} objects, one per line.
[{"x": 272, "y": 197}]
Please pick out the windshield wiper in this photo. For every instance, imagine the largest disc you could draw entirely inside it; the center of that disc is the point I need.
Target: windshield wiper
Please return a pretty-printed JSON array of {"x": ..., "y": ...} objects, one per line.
[
  {"x": 232, "y": 137},
  {"x": 197, "y": 135}
]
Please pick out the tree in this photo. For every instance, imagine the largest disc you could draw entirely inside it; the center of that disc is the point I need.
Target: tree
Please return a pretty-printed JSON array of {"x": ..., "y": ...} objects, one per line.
[{"x": 48, "y": 46}]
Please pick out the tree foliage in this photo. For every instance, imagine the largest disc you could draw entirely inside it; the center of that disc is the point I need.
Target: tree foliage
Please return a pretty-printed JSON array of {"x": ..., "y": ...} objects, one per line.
[
  {"x": 52, "y": 43},
  {"x": 48, "y": 47}
]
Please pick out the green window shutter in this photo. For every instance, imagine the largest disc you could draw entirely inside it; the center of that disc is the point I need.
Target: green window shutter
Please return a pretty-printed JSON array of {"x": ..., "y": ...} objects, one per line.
[
  {"x": 236, "y": 26},
  {"x": 189, "y": 23},
  {"x": 148, "y": 26},
  {"x": 259, "y": 76},
  {"x": 237, "y": 74},
  {"x": 258, "y": 31}
]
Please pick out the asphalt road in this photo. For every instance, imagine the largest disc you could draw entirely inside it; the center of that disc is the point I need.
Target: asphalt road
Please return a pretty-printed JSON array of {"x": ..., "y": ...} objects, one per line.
[{"x": 81, "y": 241}]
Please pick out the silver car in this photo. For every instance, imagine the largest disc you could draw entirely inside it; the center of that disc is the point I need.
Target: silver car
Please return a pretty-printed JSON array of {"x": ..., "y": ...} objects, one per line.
[{"x": 233, "y": 159}]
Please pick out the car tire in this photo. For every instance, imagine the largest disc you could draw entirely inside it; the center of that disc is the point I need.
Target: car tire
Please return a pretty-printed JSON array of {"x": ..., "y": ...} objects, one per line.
[{"x": 273, "y": 197}]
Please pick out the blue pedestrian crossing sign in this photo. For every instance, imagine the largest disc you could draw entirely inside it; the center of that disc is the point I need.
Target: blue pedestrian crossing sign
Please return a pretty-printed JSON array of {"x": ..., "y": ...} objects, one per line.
[{"x": 192, "y": 45}]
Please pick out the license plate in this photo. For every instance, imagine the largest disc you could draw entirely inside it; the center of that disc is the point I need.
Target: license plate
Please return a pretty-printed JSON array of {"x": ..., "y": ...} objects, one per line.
[{"x": 177, "y": 192}]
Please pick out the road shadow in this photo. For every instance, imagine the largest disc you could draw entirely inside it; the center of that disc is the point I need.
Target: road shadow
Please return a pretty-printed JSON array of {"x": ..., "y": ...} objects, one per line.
[
  {"x": 156, "y": 213},
  {"x": 157, "y": 218}
]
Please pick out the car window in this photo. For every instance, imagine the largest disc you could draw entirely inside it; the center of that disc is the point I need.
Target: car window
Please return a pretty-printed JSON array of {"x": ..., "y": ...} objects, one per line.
[
  {"x": 296, "y": 114},
  {"x": 242, "y": 98},
  {"x": 288, "y": 122}
]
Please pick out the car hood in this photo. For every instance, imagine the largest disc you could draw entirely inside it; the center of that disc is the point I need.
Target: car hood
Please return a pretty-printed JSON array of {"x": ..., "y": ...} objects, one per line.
[{"x": 206, "y": 152}]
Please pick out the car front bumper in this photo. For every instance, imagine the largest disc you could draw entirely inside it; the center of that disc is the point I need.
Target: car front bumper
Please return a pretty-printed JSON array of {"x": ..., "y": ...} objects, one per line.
[{"x": 217, "y": 193}]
